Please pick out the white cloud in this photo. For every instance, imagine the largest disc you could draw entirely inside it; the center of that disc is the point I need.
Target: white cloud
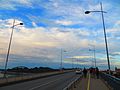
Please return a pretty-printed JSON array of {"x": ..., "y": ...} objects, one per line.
[
  {"x": 84, "y": 33},
  {"x": 63, "y": 22},
  {"x": 116, "y": 24},
  {"x": 82, "y": 57},
  {"x": 38, "y": 37},
  {"x": 115, "y": 53},
  {"x": 34, "y": 24},
  {"x": 11, "y": 4}
]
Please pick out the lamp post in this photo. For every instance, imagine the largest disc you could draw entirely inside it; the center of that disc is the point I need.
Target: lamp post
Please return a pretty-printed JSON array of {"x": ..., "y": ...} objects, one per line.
[
  {"x": 94, "y": 55},
  {"x": 8, "y": 51},
  {"x": 62, "y": 58},
  {"x": 77, "y": 64},
  {"x": 72, "y": 62},
  {"x": 103, "y": 22}
]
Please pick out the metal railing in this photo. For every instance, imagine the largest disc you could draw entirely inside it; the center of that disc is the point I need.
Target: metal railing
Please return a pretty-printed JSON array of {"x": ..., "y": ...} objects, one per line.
[
  {"x": 112, "y": 81},
  {"x": 73, "y": 84}
]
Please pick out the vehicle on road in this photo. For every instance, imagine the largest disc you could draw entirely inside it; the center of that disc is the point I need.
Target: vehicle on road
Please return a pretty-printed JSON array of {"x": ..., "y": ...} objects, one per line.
[{"x": 78, "y": 71}]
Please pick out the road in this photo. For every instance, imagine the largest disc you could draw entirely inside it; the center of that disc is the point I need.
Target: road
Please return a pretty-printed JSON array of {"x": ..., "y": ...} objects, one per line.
[{"x": 57, "y": 82}]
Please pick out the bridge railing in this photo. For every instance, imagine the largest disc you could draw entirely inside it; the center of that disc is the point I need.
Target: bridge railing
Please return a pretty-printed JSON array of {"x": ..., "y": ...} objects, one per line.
[{"x": 112, "y": 81}]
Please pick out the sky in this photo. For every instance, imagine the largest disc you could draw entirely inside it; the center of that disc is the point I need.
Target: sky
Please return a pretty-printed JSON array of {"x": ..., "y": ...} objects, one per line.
[{"x": 52, "y": 25}]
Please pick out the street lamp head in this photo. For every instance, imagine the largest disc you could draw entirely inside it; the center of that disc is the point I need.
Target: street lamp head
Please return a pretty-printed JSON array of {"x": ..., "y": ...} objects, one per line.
[
  {"x": 21, "y": 23},
  {"x": 87, "y": 12}
]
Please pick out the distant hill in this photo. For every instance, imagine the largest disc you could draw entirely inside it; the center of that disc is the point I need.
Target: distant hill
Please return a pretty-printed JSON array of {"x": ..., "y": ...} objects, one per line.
[{"x": 31, "y": 70}]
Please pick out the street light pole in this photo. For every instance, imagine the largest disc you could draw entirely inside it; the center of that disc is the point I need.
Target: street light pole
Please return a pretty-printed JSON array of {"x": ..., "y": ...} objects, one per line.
[
  {"x": 61, "y": 58},
  {"x": 8, "y": 52},
  {"x": 94, "y": 56},
  {"x": 72, "y": 63},
  {"x": 105, "y": 38},
  {"x": 77, "y": 64},
  {"x": 103, "y": 22}
]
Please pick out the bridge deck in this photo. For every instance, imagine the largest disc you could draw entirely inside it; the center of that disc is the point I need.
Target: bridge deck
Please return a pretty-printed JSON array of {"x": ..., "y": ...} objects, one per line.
[{"x": 91, "y": 83}]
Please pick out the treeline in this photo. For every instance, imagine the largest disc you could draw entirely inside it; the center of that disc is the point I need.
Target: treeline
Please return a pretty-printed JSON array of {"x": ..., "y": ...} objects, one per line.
[{"x": 22, "y": 69}]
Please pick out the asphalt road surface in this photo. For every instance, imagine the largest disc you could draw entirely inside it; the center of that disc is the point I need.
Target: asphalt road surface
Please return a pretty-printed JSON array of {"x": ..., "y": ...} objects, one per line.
[{"x": 57, "y": 82}]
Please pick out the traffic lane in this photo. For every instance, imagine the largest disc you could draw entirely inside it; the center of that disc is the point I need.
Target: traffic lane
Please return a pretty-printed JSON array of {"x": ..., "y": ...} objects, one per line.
[
  {"x": 30, "y": 84},
  {"x": 58, "y": 84}
]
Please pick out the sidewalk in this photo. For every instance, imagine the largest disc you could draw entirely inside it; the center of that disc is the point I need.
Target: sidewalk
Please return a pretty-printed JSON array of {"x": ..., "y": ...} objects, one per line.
[{"x": 91, "y": 84}]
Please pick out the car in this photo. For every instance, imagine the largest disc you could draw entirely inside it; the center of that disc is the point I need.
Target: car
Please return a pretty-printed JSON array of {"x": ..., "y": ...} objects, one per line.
[{"x": 78, "y": 71}]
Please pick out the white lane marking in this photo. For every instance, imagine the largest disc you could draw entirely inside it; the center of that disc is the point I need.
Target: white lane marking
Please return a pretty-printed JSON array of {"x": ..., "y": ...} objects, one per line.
[{"x": 42, "y": 85}]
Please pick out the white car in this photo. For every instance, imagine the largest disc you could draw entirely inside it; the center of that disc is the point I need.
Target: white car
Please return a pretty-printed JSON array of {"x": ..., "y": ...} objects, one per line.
[{"x": 78, "y": 71}]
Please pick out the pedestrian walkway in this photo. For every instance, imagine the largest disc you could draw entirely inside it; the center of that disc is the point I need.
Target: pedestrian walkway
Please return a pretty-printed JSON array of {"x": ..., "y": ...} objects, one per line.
[{"x": 91, "y": 83}]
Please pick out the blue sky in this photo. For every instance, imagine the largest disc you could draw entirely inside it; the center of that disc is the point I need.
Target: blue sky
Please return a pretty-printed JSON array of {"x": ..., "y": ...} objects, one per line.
[{"x": 50, "y": 25}]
